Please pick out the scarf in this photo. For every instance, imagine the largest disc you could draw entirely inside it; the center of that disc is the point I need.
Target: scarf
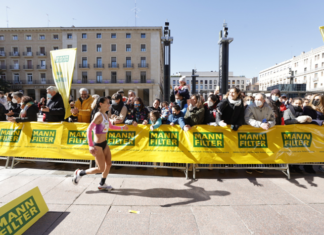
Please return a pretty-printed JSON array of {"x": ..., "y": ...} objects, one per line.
[
  {"x": 235, "y": 102},
  {"x": 23, "y": 112}
]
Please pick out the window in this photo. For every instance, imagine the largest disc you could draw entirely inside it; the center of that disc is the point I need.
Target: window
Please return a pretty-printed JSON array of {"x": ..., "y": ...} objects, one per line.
[
  {"x": 28, "y": 37},
  {"x": 143, "y": 62},
  {"x": 99, "y": 61},
  {"x": 29, "y": 78},
  {"x": 128, "y": 35},
  {"x": 99, "y": 77},
  {"x": 201, "y": 82},
  {"x": 215, "y": 81},
  {"x": 128, "y": 47},
  {"x": 113, "y": 35},
  {"x": 201, "y": 87},
  {"x": 322, "y": 53},
  {"x": 69, "y": 36},
  {"x": 210, "y": 82},
  {"x": 29, "y": 51},
  {"x": 1, "y": 37},
  {"x": 128, "y": 77},
  {"x": 295, "y": 72},
  {"x": 113, "y": 47},
  {"x": 196, "y": 87},
  {"x": 316, "y": 74},
  {"x": 143, "y": 47},
  {"x": 55, "y": 37},
  {"x": 113, "y": 62},
  {"x": 55, "y": 48},
  {"x": 84, "y": 77},
  {"x": 305, "y": 69},
  {"x": 69, "y": 46},
  {"x": 316, "y": 66},
  {"x": 128, "y": 62},
  {"x": 98, "y": 35},
  {"x": 242, "y": 86},
  {"x": 84, "y": 62},
  {"x": 206, "y": 87},
  {"x": 315, "y": 85},
  {"x": 206, "y": 81},
  {"x": 42, "y": 37},
  {"x": 3, "y": 76},
  {"x": 143, "y": 35},
  {"x": 174, "y": 82},
  {"x": 322, "y": 64},
  {"x": 187, "y": 82},
  {"x": 42, "y": 50},
  {"x": 99, "y": 49},
  {"x": 84, "y": 35},
  {"x": 43, "y": 64},
  {"x": 84, "y": 48},
  {"x": 113, "y": 77},
  {"x": 210, "y": 87},
  {"x": 16, "y": 78},
  {"x": 242, "y": 81},
  {"x": 43, "y": 77},
  {"x": 16, "y": 64},
  {"x": 15, "y": 51},
  {"x": 143, "y": 77},
  {"x": 14, "y": 37}
]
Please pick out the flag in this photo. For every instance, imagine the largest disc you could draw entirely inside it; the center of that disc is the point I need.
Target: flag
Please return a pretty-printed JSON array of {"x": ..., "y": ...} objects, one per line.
[
  {"x": 63, "y": 62},
  {"x": 322, "y": 31}
]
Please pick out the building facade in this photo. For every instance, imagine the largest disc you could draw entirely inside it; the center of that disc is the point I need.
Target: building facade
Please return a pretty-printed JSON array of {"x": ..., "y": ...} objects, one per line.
[
  {"x": 108, "y": 59},
  {"x": 308, "y": 69},
  {"x": 208, "y": 81}
]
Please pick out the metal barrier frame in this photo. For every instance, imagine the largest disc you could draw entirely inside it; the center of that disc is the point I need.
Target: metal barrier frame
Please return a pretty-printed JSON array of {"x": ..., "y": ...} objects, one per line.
[
  {"x": 7, "y": 160},
  {"x": 179, "y": 166},
  {"x": 280, "y": 167}
]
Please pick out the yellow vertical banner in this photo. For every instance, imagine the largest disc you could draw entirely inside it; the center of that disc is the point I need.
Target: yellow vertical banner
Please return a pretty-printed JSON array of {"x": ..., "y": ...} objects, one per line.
[
  {"x": 63, "y": 62},
  {"x": 322, "y": 31}
]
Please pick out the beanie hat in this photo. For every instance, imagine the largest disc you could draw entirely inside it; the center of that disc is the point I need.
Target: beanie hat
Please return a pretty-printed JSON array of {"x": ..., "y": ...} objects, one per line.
[
  {"x": 275, "y": 92},
  {"x": 182, "y": 79}
]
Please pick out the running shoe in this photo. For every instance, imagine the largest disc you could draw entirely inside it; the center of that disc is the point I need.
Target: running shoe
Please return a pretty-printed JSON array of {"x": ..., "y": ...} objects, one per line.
[
  {"x": 249, "y": 171},
  {"x": 76, "y": 176},
  {"x": 259, "y": 171},
  {"x": 105, "y": 187}
]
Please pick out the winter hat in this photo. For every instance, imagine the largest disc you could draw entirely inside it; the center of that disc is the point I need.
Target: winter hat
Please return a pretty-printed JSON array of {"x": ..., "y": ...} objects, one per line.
[
  {"x": 182, "y": 79},
  {"x": 275, "y": 92}
]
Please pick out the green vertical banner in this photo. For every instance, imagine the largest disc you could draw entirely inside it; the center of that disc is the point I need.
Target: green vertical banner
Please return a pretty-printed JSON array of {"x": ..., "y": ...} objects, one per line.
[{"x": 63, "y": 62}]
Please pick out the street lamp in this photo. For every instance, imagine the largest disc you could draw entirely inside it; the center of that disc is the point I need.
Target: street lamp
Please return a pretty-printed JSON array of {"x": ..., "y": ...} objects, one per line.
[
  {"x": 223, "y": 59},
  {"x": 193, "y": 85},
  {"x": 167, "y": 40},
  {"x": 291, "y": 77}
]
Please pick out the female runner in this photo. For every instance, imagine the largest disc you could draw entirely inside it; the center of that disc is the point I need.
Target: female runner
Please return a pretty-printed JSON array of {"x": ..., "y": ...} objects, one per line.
[{"x": 99, "y": 148}]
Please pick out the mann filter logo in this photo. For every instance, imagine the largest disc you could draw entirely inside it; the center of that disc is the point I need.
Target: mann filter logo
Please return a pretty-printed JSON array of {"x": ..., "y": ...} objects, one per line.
[
  {"x": 43, "y": 137},
  {"x": 208, "y": 139},
  {"x": 77, "y": 137},
  {"x": 9, "y": 135},
  {"x": 252, "y": 140},
  {"x": 15, "y": 219},
  {"x": 62, "y": 59},
  {"x": 164, "y": 138},
  {"x": 121, "y": 138},
  {"x": 296, "y": 139}
]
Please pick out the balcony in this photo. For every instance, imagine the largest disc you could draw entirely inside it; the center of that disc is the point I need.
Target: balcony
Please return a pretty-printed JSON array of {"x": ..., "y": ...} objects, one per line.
[
  {"x": 2, "y": 53},
  {"x": 79, "y": 81},
  {"x": 14, "y": 54},
  {"x": 84, "y": 66},
  {"x": 113, "y": 65},
  {"x": 42, "y": 67},
  {"x": 28, "y": 54},
  {"x": 98, "y": 66},
  {"x": 143, "y": 65},
  {"x": 28, "y": 67},
  {"x": 15, "y": 67},
  {"x": 3, "y": 67},
  {"x": 41, "y": 53},
  {"x": 128, "y": 65}
]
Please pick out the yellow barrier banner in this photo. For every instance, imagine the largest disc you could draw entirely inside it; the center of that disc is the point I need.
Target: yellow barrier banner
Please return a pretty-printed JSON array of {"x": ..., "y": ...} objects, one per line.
[
  {"x": 63, "y": 63},
  {"x": 21, "y": 213},
  {"x": 201, "y": 144}
]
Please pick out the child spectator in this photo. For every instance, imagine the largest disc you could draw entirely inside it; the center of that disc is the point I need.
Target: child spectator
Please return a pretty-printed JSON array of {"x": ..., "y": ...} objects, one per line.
[
  {"x": 182, "y": 89},
  {"x": 155, "y": 120},
  {"x": 165, "y": 112},
  {"x": 177, "y": 117}
]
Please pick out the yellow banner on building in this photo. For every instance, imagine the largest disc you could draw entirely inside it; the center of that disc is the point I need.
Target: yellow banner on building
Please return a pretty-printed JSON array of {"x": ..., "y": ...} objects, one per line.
[
  {"x": 21, "y": 213},
  {"x": 63, "y": 63},
  {"x": 322, "y": 31},
  {"x": 202, "y": 144}
]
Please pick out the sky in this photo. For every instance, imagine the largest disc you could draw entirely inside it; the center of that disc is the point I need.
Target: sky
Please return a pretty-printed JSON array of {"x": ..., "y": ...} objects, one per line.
[{"x": 265, "y": 32}]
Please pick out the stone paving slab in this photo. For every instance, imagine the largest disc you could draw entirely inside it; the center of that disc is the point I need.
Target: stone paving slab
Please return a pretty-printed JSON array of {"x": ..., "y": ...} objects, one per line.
[{"x": 13, "y": 183}]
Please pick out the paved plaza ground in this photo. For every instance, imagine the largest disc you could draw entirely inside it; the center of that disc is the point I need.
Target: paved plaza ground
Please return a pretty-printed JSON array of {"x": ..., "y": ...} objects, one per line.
[{"x": 232, "y": 202}]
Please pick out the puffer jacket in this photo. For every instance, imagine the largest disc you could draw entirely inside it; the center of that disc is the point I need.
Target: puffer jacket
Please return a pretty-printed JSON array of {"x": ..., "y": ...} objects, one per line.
[
  {"x": 84, "y": 107},
  {"x": 278, "y": 108},
  {"x": 254, "y": 115}
]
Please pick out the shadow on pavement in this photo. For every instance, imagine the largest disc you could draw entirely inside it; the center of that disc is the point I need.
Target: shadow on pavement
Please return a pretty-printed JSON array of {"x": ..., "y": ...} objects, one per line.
[{"x": 194, "y": 193}]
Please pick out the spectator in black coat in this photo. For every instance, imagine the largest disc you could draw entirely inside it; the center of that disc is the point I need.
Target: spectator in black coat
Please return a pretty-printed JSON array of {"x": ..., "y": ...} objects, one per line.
[
  {"x": 230, "y": 111},
  {"x": 156, "y": 106},
  {"x": 28, "y": 111},
  {"x": 16, "y": 99},
  {"x": 2, "y": 112},
  {"x": 12, "y": 105},
  {"x": 55, "y": 110}
]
